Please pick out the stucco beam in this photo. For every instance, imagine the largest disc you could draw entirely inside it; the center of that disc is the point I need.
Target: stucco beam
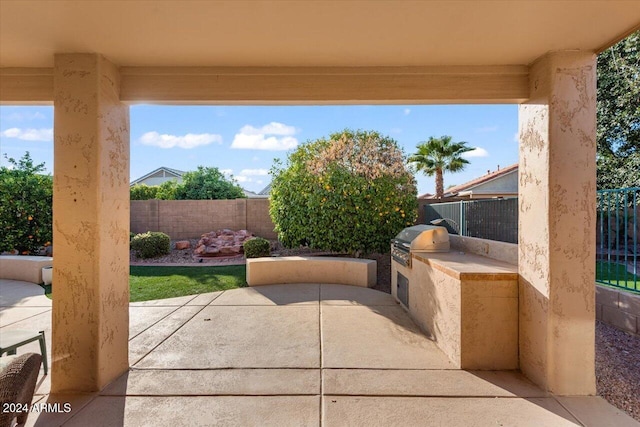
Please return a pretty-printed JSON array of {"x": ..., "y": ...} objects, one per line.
[
  {"x": 26, "y": 86},
  {"x": 327, "y": 85}
]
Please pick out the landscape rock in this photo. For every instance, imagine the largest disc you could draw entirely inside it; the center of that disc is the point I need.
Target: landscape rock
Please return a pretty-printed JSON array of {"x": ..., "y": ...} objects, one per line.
[
  {"x": 223, "y": 242},
  {"x": 183, "y": 244}
]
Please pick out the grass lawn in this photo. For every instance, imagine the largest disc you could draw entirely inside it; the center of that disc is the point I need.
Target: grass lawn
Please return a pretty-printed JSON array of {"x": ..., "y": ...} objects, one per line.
[
  {"x": 613, "y": 273},
  {"x": 148, "y": 282}
]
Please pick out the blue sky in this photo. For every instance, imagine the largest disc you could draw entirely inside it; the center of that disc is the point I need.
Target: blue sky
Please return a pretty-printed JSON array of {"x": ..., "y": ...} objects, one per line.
[{"x": 244, "y": 140}]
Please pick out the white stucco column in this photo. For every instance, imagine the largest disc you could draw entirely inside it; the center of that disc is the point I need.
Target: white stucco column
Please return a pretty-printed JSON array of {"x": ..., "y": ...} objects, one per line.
[
  {"x": 557, "y": 184},
  {"x": 90, "y": 321}
]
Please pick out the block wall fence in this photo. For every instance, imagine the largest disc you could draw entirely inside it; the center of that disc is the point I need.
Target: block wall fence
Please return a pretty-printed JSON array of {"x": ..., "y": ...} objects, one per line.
[
  {"x": 618, "y": 308},
  {"x": 189, "y": 219}
]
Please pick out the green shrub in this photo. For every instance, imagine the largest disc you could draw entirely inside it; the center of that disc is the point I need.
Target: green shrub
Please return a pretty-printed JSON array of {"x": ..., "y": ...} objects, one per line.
[
  {"x": 151, "y": 244},
  {"x": 257, "y": 247},
  {"x": 143, "y": 192},
  {"x": 349, "y": 193},
  {"x": 25, "y": 206}
]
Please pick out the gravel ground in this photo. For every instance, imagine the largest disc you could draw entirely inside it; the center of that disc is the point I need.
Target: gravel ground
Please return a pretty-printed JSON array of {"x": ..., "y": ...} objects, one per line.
[
  {"x": 618, "y": 368},
  {"x": 617, "y": 353}
]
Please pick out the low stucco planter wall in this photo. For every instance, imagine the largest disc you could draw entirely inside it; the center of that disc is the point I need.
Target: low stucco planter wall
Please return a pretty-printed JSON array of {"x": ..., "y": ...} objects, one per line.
[
  {"x": 618, "y": 308},
  {"x": 341, "y": 271},
  {"x": 23, "y": 267}
]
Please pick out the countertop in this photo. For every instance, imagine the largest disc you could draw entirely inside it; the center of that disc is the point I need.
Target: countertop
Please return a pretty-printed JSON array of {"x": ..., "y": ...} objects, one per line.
[{"x": 467, "y": 266}]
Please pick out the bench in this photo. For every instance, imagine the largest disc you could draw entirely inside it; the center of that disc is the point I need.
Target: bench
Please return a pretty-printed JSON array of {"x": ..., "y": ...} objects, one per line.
[
  {"x": 23, "y": 267},
  {"x": 299, "y": 269}
]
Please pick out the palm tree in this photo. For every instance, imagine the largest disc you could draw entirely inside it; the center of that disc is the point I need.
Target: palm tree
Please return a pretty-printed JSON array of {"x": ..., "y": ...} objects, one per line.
[{"x": 438, "y": 155}]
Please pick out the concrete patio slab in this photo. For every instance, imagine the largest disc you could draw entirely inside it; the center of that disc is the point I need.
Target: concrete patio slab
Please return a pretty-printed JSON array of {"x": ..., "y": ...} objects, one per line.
[
  {"x": 594, "y": 411},
  {"x": 354, "y": 295},
  {"x": 248, "y": 382},
  {"x": 259, "y": 363},
  {"x": 434, "y": 383},
  {"x": 247, "y": 337},
  {"x": 147, "y": 340},
  {"x": 141, "y": 318},
  {"x": 11, "y": 315},
  {"x": 16, "y": 293},
  {"x": 205, "y": 299},
  {"x": 439, "y": 411},
  {"x": 380, "y": 337},
  {"x": 167, "y": 302},
  {"x": 177, "y": 411},
  {"x": 57, "y": 414},
  {"x": 301, "y": 294},
  {"x": 43, "y": 385}
]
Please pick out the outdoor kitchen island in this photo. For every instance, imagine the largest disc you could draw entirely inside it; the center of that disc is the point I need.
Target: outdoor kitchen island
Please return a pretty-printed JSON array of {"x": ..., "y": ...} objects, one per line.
[{"x": 465, "y": 302}]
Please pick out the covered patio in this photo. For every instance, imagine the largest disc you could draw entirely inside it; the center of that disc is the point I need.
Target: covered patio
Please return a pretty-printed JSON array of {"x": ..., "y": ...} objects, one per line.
[
  {"x": 280, "y": 355},
  {"x": 91, "y": 60}
]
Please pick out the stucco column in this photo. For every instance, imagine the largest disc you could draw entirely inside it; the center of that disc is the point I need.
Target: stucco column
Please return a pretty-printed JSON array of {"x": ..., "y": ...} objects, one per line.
[
  {"x": 557, "y": 184},
  {"x": 90, "y": 318}
]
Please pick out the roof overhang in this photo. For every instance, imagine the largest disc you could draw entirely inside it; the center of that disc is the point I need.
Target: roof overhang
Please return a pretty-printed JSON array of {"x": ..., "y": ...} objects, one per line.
[
  {"x": 328, "y": 33},
  {"x": 330, "y": 51}
]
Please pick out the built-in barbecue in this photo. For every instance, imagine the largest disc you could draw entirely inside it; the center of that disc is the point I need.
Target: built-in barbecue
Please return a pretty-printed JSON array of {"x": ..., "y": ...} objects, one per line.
[
  {"x": 416, "y": 239},
  {"x": 419, "y": 238}
]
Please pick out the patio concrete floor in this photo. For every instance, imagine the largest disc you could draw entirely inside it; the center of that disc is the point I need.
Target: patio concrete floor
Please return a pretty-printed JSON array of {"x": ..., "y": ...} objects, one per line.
[{"x": 308, "y": 354}]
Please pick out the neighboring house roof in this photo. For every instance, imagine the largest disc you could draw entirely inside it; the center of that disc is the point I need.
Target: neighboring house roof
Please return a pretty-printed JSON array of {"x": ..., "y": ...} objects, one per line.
[
  {"x": 265, "y": 191},
  {"x": 481, "y": 181},
  {"x": 175, "y": 172},
  {"x": 252, "y": 195}
]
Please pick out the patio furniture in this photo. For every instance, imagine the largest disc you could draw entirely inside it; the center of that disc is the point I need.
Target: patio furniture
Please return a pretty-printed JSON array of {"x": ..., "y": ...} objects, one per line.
[
  {"x": 12, "y": 339},
  {"x": 18, "y": 376}
]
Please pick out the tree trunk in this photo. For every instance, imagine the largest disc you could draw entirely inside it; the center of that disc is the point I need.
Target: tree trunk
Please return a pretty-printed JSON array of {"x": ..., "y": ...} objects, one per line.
[{"x": 439, "y": 184}]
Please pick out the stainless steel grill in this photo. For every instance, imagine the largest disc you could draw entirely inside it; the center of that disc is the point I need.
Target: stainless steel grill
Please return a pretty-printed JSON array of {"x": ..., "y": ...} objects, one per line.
[{"x": 419, "y": 238}]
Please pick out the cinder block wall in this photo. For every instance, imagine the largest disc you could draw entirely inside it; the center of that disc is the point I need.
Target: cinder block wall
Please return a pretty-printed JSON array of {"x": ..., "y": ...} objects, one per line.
[
  {"x": 618, "y": 308},
  {"x": 188, "y": 219}
]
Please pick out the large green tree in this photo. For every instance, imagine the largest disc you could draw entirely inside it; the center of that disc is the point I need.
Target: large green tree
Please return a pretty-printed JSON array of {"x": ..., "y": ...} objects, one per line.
[
  {"x": 618, "y": 114},
  {"x": 438, "y": 155},
  {"x": 26, "y": 196},
  {"x": 350, "y": 192},
  {"x": 207, "y": 183}
]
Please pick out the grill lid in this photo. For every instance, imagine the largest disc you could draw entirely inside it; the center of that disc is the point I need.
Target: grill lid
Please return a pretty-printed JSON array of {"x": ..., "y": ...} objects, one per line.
[{"x": 425, "y": 238}]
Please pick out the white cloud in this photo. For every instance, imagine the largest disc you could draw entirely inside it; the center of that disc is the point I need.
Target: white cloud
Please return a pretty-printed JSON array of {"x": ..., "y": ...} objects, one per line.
[
  {"x": 254, "y": 172},
  {"x": 476, "y": 152},
  {"x": 187, "y": 141},
  {"x": 29, "y": 134},
  {"x": 246, "y": 175},
  {"x": 18, "y": 117},
  {"x": 406, "y": 111},
  {"x": 485, "y": 129},
  {"x": 273, "y": 136}
]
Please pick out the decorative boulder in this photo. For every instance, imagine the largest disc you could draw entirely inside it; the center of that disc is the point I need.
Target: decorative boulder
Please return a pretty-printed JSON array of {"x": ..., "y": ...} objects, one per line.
[
  {"x": 222, "y": 243},
  {"x": 183, "y": 244}
]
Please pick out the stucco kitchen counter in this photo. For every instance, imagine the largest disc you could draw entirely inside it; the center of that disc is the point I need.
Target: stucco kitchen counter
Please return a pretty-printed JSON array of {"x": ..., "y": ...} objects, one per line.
[
  {"x": 467, "y": 266},
  {"x": 467, "y": 303}
]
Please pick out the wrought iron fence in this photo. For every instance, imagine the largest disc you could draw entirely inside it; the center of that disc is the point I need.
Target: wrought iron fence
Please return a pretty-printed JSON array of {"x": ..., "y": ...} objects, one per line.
[
  {"x": 493, "y": 219},
  {"x": 618, "y": 238}
]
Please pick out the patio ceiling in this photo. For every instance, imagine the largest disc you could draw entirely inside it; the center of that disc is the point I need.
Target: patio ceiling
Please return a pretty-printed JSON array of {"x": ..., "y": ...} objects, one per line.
[{"x": 303, "y": 33}]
